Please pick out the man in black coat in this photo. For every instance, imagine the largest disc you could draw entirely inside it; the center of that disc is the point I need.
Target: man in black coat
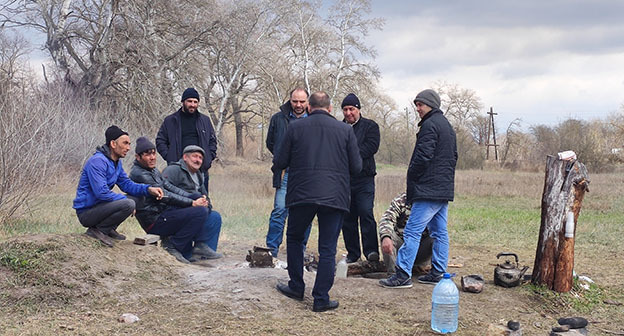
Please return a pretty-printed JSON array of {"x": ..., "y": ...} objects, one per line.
[
  {"x": 185, "y": 127},
  {"x": 295, "y": 108},
  {"x": 321, "y": 154},
  {"x": 362, "y": 186},
  {"x": 430, "y": 186}
]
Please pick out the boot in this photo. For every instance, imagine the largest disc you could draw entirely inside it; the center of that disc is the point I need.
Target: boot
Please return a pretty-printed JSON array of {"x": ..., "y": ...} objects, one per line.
[
  {"x": 116, "y": 235},
  {"x": 173, "y": 251},
  {"x": 99, "y": 235},
  {"x": 205, "y": 252}
]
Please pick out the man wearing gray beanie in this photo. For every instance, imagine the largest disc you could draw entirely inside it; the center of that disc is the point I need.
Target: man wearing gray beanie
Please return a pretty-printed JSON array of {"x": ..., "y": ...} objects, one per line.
[{"x": 430, "y": 186}]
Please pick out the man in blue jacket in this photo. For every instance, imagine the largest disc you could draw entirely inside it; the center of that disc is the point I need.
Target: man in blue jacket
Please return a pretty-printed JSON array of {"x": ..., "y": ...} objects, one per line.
[
  {"x": 295, "y": 108},
  {"x": 98, "y": 208},
  {"x": 185, "y": 127},
  {"x": 320, "y": 153},
  {"x": 430, "y": 186},
  {"x": 360, "y": 216}
]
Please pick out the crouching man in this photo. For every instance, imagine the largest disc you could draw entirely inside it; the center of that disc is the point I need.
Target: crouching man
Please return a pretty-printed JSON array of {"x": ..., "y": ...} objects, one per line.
[
  {"x": 186, "y": 175},
  {"x": 179, "y": 216},
  {"x": 98, "y": 208},
  {"x": 391, "y": 228}
]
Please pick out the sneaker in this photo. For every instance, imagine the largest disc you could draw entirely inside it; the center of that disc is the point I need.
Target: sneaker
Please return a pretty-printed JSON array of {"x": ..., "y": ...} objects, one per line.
[
  {"x": 396, "y": 280},
  {"x": 116, "y": 235},
  {"x": 430, "y": 278},
  {"x": 99, "y": 235},
  {"x": 373, "y": 256},
  {"x": 203, "y": 250}
]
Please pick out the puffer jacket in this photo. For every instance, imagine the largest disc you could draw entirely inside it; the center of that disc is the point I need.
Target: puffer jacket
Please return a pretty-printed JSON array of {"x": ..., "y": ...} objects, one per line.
[
  {"x": 431, "y": 172},
  {"x": 97, "y": 179},
  {"x": 148, "y": 209}
]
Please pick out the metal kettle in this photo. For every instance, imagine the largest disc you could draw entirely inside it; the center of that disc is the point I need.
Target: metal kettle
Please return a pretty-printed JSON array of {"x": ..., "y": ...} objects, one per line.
[{"x": 508, "y": 274}]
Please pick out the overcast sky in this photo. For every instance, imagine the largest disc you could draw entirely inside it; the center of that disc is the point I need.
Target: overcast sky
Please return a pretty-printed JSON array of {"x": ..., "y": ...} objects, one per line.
[{"x": 541, "y": 61}]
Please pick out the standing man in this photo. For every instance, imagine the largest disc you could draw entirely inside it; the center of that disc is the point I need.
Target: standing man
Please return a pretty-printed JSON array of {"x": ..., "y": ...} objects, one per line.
[
  {"x": 179, "y": 216},
  {"x": 186, "y": 175},
  {"x": 362, "y": 186},
  {"x": 187, "y": 127},
  {"x": 321, "y": 153},
  {"x": 430, "y": 186},
  {"x": 98, "y": 208},
  {"x": 295, "y": 108}
]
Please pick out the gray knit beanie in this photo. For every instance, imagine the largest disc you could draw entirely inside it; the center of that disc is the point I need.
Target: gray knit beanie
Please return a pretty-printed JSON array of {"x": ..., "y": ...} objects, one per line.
[{"x": 429, "y": 98}]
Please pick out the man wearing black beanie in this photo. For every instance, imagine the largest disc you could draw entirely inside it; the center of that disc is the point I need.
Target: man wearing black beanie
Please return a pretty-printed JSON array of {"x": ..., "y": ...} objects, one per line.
[
  {"x": 186, "y": 127},
  {"x": 98, "y": 208},
  {"x": 360, "y": 216}
]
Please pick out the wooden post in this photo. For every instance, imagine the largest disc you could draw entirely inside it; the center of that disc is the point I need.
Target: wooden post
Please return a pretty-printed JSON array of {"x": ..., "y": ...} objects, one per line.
[{"x": 564, "y": 188}]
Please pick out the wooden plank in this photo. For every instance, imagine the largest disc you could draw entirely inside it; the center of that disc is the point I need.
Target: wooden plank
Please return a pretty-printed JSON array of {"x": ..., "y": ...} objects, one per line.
[{"x": 147, "y": 239}]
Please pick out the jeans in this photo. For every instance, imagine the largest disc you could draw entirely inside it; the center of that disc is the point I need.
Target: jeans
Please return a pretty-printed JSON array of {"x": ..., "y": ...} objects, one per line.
[
  {"x": 181, "y": 225},
  {"x": 210, "y": 231},
  {"x": 433, "y": 215},
  {"x": 362, "y": 199},
  {"x": 299, "y": 222},
  {"x": 107, "y": 216},
  {"x": 278, "y": 219}
]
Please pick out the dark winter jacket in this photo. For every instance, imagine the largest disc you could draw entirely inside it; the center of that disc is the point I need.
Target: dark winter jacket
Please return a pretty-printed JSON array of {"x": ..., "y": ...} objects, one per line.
[
  {"x": 320, "y": 153},
  {"x": 169, "y": 139},
  {"x": 97, "y": 179},
  {"x": 149, "y": 209},
  {"x": 431, "y": 172},
  {"x": 367, "y": 134},
  {"x": 277, "y": 129},
  {"x": 178, "y": 174}
]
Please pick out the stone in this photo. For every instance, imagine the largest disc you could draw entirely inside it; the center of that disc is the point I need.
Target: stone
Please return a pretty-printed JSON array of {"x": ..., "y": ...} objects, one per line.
[
  {"x": 128, "y": 318},
  {"x": 564, "y": 327},
  {"x": 513, "y": 325},
  {"x": 500, "y": 330},
  {"x": 571, "y": 332},
  {"x": 472, "y": 283},
  {"x": 573, "y": 322}
]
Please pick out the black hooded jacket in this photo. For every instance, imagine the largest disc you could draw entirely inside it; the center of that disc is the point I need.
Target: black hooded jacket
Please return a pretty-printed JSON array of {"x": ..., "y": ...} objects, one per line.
[{"x": 431, "y": 172}]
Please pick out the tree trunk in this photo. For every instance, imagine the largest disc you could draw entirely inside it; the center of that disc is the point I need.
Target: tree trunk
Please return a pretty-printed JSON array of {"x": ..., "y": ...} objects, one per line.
[{"x": 564, "y": 187}]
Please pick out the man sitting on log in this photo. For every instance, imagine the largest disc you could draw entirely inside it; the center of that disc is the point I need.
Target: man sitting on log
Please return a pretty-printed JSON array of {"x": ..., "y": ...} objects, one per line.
[{"x": 391, "y": 228}]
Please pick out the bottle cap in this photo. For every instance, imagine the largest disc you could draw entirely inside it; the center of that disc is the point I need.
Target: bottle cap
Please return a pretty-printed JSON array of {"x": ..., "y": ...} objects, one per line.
[{"x": 446, "y": 276}]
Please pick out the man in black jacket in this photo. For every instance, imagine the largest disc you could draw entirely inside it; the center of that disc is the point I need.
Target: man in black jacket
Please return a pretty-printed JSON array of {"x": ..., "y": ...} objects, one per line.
[
  {"x": 180, "y": 217},
  {"x": 320, "y": 153},
  {"x": 187, "y": 127},
  {"x": 362, "y": 186},
  {"x": 430, "y": 186},
  {"x": 294, "y": 109}
]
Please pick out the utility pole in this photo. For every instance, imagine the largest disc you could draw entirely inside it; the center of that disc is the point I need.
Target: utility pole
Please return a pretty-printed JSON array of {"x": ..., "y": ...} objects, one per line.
[{"x": 492, "y": 131}]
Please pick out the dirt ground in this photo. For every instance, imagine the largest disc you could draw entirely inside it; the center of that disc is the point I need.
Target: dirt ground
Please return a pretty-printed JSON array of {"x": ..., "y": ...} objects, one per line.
[{"x": 70, "y": 284}]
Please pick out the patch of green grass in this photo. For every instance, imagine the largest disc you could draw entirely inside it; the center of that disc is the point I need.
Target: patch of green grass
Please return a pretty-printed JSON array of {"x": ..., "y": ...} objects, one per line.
[
  {"x": 24, "y": 257},
  {"x": 579, "y": 300}
]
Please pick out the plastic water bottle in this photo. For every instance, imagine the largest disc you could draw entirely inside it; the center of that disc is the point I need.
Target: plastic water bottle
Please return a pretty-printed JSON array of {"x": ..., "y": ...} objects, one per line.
[
  {"x": 341, "y": 267},
  {"x": 445, "y": 306}
]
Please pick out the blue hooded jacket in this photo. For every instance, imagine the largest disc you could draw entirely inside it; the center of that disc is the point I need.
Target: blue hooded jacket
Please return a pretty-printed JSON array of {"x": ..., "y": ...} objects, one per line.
[{"x": 99, "y": 175}]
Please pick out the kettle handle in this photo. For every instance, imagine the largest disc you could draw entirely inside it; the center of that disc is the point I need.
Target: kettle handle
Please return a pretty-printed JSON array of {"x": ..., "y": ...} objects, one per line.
[{"x": 507, "y": 254}]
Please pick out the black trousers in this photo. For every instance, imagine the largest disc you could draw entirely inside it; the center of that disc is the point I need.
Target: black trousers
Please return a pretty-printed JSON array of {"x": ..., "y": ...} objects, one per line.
[
  {"x": 330, "y": 221},
  {"x": 360, "y": 217},
  {"x": 182, "y": 225},
  {"x": 107, "y": 216}
]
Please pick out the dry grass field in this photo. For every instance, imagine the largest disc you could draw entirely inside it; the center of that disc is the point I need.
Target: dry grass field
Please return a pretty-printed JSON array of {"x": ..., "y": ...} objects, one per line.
[{"x": 53, "y": 280}]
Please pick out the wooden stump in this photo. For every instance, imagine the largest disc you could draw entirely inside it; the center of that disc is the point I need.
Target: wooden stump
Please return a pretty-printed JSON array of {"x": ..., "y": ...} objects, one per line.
[{"x": 564, "y": 188}]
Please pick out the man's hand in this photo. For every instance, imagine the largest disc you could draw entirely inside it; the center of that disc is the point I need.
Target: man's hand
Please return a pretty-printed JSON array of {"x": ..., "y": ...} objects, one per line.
[
  {"x": 156, "y": 192},
  {"x": 387, "y": 246},
  {"x": 201, "y": 202}
]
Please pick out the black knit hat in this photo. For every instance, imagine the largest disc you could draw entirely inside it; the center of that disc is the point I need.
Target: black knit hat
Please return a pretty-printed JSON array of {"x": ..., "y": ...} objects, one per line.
[
  {"x": 190, "y": 93},
  {"x": 429, "y": 98},
  {"x": 113, "y": 133},
  {"x": 350, "y": 100},
  {"x": 143, "y": 145}
]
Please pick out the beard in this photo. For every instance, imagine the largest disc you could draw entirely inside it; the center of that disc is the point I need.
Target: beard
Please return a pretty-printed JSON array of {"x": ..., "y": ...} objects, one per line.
[{"x": 185, "y": 110}]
